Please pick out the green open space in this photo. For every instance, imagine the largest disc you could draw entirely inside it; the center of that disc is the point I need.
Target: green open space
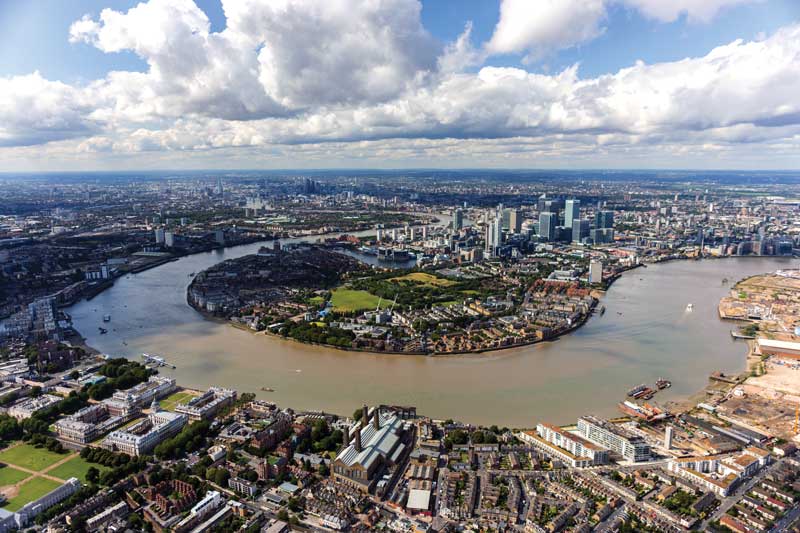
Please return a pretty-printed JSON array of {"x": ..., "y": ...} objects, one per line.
[
  {"x": 75, "y": 467},
  {"x": 425, "y": 279},
  {"x": 170, "y": 402},
  {"x": 353, "y": 300},
  {"x": 30, "y": 457},
  {"x": 30, "y": 491},
  {"x": 11, "y": 476}
]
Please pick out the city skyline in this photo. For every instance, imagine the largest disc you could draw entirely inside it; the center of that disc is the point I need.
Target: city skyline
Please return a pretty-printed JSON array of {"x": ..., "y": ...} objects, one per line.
[{"x": 169, "y": 84}]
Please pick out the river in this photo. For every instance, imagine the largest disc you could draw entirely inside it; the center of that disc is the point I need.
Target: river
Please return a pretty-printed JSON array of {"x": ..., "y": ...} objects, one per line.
[{"x": 645, "y": 333}]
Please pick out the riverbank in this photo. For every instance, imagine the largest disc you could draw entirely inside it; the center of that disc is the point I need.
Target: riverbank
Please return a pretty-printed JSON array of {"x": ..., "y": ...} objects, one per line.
[{"x": 587, "y": 371}]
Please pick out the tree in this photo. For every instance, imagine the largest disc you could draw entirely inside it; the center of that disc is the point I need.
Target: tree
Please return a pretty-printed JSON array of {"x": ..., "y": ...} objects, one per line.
[
  {"x": 93, "y": 475},
  {"x": 221, "y": 477}
]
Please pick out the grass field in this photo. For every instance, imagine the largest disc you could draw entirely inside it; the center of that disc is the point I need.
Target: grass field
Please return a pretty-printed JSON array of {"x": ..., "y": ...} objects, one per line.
[
  {"x": 316, "y": 300},
  {"x": 350, "y": 300},
  {"x": 75, "y": 467},
  {"x": 30, "y": 491},
  {"x": 170, "y": 402},
  {"x": 26, "y": 456},
  {"x": 425, "y": 279},
  {"x": 11, "y": 476}
]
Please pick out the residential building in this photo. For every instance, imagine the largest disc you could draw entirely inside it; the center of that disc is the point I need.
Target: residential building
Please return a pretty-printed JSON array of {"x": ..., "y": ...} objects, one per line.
[{"x": 622, "y": 442}]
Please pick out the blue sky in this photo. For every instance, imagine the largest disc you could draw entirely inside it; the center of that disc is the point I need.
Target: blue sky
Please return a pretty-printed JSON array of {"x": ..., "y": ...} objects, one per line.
[{"x": 394, "y": 72}]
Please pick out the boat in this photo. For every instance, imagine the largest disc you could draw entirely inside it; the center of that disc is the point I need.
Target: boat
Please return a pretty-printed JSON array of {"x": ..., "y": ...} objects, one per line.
[
  {"x": 690, "y": 307},
  {"x": 267, "y": 389},
  {"x": 637, "y": 389},
  {"x": 662, "y": 383},
  {"x": 103, "y": 331},
  {"x": 106, "y": 318},
  {"x": 191, "y": 274},
  {"x": 602, "y": 310}
]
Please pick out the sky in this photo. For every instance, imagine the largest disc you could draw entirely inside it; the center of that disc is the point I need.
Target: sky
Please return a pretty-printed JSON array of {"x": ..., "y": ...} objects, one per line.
[{"x": 293, "y": 84}]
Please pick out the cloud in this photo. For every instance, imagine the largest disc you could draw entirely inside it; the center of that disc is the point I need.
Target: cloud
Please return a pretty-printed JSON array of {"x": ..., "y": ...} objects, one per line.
[
  {"x": 35, "y": 111},
  {"x": 695, "y": 10},
  {"x": 372, "y": 77},
  {"x": 538, "y": 27}
]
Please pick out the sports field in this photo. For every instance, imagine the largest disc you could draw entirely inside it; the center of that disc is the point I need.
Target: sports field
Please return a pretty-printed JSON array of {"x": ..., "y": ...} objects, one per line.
[
  {"x": 350, "y": 300},
  {"x": 29, "y": 457},
  {"x": 75, "y": 467}
]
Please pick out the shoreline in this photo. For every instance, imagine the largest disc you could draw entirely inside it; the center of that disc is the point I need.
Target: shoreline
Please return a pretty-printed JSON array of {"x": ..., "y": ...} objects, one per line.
[{"x": 679, "y": 404}]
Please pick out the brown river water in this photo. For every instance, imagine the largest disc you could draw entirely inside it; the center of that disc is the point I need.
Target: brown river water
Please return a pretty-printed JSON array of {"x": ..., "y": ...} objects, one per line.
[{"x": 645, "y": 333}]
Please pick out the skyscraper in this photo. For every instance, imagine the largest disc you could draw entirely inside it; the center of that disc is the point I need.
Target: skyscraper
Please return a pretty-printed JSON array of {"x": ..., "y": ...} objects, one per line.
[
  {"x": 547, "y": 225},
  {"x": 580, "y": 229},
  {"x": 514, "y": 221},
  {"x": 572, "y": 211},
  {"x": 458, "y": 220},
  {"x": 604, "y": 219}
]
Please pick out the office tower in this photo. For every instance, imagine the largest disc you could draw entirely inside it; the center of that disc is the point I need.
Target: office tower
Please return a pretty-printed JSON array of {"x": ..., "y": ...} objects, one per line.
[
  {"x": 220, "y": 190},
  {"x": 514, "y": 221},
  {"x": 547, "y": 225},
  {"x": 604, "y": 219},
  {"x": 580, "y": 229},
  {"x": 572, "y": 212},
  {"x": 668, "y": 437},
  {"x": 458, "y": 220},
  {"x": 219, "y": 236}
]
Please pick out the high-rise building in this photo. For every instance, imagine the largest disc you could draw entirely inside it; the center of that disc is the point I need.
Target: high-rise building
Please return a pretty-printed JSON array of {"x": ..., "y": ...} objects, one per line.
[
  {"x": 580, "y": 229},
  {"x": 604, "y": 219},
  {"x": 169, "y": 239},
  {"x": 160, "y": 235},
  {"x": 514, "y": 221},
  {"x": 458, "y": 220},
  {"x": 572, "y": 212},
  {"x": 547, "y": 225},
  {"x": 668, "y": 438},
  {"x": 219, "y": 190},
  {"x": 494, "y": 236},
  {"x": 219, "y": 237}
]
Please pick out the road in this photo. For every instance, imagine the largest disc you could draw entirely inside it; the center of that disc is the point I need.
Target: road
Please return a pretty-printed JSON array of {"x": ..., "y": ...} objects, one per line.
[{"x": 730, "y": 501}]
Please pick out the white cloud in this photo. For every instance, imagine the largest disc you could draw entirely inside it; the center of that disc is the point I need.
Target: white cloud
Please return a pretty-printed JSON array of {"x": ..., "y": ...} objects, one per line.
[
  {"x": 695, "y": 10},
  {"x": 35, "y": 111},
  {"x": 373, "y": 79},
  {"x": 540, "y": 26}
]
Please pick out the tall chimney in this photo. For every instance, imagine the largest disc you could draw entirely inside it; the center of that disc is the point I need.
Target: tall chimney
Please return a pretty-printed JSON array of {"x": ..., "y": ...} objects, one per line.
[
  {"x": 376, "y": 419},
  {"x": 346, "y": 436},
  {"x": 364, "y": 415},
  {"x": 358, "y": 440}
]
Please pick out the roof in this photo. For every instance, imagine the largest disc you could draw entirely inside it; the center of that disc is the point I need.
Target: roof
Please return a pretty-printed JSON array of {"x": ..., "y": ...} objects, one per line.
[
  {"x": 785, "y": 345},
  {"x": 374, "y": 442},
  {"x": 419, "y": 499}
]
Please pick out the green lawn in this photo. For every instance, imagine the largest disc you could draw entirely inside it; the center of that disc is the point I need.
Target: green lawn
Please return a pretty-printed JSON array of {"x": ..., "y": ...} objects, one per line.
[
  {"x": 76, "y": 467},
  {"x": 11, "y": 476},
  {"x": 170, "y": 402},
  {"x": 30, "y": 491},
  {"x": 425, "y": 279},
  {"x": 27, "y": 456},
  {"x": 350, "y": 300}
]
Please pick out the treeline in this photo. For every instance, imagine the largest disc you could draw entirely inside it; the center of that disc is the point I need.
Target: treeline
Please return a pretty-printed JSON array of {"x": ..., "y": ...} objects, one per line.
[
  {"x": 120, "y": 374},
  {"x": 121, "y": 465},
  {"x": 190, "y": 439},
  {"x": 324, "y": 334}
]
